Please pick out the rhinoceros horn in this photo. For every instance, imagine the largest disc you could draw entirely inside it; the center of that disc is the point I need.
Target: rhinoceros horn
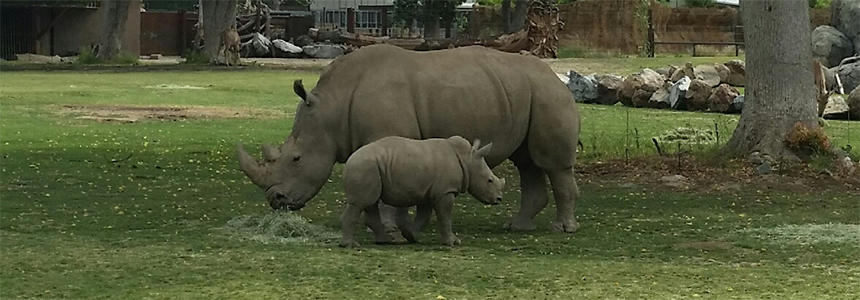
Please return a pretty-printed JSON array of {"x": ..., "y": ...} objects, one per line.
[
  {"x": 249, "y": 165},
  {"x": 270, "y": 152}
]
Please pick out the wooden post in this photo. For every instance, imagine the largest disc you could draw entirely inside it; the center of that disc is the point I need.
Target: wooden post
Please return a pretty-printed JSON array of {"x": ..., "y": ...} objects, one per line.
[
  {"x": 651, "y": 32},
  {"x": 182, "y": 36},
  {"x": 383, "y": 20},
  {"x": 350, "y": 20}
]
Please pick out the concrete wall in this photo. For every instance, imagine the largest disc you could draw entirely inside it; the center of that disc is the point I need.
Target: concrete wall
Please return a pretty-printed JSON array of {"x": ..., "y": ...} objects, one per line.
[{"x": 79, "y": 27}]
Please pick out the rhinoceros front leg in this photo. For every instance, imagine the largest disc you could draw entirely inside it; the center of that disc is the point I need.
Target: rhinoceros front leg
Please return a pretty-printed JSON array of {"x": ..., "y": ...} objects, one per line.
[
  {"x": 422, "y": 217},
  {"x": 444, "y": 207},
  {"x": 348, "y": 223},
  {"x": 405, "y": 224},
  {"x": 565, "y": 190},
  {"x": 533, "y": 199}
]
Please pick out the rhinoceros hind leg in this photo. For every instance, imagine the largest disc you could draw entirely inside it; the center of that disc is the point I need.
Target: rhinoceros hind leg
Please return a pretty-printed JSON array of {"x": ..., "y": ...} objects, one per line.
[
  {"x": 405, "y": 224},
  {"x": 373, "y": 220},
  {"x": 533, "y": 199},
  {"x": 565, "y": 190}
]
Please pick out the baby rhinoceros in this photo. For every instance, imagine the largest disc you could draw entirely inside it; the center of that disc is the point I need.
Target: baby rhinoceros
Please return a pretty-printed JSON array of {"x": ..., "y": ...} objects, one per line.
[{"x": 427, "y": 173}]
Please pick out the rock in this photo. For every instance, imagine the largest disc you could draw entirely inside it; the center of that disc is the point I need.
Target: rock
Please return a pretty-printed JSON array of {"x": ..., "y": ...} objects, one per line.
[
  {"x": 829, "y": 46},
  {"x": 686, "y": 70},
  {"x": 323, "y": 50},
  {"x": 697, "y": 95},
  {"x": 764, "y": 169},
  {"x": 584, "y": 88},
  {"x": 660, "y": 98},
  {"x": 723, "y": 71},
  {"x": 647, "y": 81},
  {"x": 303, "y": 40},
  {"x": 849, "y": 73},
  {"x": 564, "y": 79},
  {"x": 641, "y": 97},
  {"x": 853, "y": 103},
  {"x": 836, "y": 108},
  {"x": 678, "y": 92},
  {"x": 677, "y": 181},
  {"x": 258, "y": 46},
  {"x": 737, "y": 73},
  {"x": 707, "y": 73},
  {"x": 283, "y": 49},
  {"x": 666, "y": 71},
  {"x": 737, "y": 105},
  {"x": 155, "y": 56},
  {"x": 856, "y": 45},
  {"x": 721, "y": 98},
  {"x": 36, "y": 58},
  {"x": 844, "y": 165},
  {"x": 845, "y": 16},
  {"x": 755, "y": 158},
  {"x": 607, "y": 88}
]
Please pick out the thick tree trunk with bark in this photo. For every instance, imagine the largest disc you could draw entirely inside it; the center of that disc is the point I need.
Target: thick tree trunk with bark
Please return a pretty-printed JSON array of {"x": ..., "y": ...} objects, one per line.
[
  {"x": 114, "y": 17},
  {"x": 218, "y": 15},
  {"x": 518, "y": 18},
  {"x": 506, "y": 16},
  {"x": 779, "y": 90}
]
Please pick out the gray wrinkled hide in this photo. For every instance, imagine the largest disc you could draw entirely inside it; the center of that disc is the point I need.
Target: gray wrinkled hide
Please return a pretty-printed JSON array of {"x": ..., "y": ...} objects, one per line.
[{"x": 737, "y": 104}]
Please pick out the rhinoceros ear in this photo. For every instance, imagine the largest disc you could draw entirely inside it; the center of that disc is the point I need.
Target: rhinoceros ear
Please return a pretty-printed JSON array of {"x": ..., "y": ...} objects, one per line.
[
  {"x": 484, "y": 151},
  {"x": 300, "y": 90},
  {"x": 475, "y": 144}
]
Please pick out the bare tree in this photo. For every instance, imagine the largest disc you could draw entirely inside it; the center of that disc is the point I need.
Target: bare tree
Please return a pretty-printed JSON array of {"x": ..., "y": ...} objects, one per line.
[
  {"x": 218, "y": 15},
  {"x": 779, "y": 90},
  {"x": 114, "y": 17}
]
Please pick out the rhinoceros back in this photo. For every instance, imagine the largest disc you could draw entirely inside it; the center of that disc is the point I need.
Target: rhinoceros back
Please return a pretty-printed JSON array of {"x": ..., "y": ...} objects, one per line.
[{"x": 475, "y": 92}]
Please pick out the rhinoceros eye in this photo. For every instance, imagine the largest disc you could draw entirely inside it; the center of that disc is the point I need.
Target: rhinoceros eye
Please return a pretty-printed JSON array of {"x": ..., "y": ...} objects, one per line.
[
  {"x": 296, "y": 158},
  {"x": 491, "y": 180}
]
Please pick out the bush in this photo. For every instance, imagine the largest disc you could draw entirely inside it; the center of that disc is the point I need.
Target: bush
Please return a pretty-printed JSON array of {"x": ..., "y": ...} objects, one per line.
[
  {"x": 87, "y": 56},
  {"x": 195, "y": 57},
  {"x": 805, "y": 141}
]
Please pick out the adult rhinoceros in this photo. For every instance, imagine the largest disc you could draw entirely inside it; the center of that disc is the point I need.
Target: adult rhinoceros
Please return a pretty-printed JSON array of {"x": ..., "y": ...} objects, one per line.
[{"x": 514, "y": 101}]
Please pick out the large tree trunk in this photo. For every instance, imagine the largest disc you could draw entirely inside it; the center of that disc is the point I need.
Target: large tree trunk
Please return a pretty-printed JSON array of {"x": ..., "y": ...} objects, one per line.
[
  {"x": 506, "y": 16},
  {"x": 779, "y": 90},
  {"x": 198, "y": 32},
  {"x": 114, "y": 17},
  {"x": 518, "y": 18},
  {"x": 431, "y": 28},
  {"x": 218, "y": 15}
]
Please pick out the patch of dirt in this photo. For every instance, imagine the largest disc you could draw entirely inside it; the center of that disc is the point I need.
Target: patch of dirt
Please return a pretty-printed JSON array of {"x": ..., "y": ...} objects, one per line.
[
  {"x": 708, "y": 175},
  {"x": 131, "y": 114},
  {"x": 707, "y": 246}
]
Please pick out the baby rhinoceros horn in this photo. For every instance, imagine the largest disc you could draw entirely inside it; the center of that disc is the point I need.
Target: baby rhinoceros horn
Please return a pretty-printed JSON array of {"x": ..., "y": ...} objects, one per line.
[{"x": 250, "y": 166}]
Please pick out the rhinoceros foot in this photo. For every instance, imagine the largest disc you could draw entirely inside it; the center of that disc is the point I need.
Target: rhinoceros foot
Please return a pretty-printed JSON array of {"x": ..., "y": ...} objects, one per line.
[
  {"x": 520, "y": 224},
  {"x": 566, "y": 225}
]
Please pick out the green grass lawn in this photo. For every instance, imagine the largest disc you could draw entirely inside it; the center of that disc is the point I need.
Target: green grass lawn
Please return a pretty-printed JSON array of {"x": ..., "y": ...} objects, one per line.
[{"x": 101, "y": 209}]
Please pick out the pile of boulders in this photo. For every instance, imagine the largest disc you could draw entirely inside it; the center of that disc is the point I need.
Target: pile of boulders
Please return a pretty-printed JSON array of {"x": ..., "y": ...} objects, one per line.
[
  {"x": 837, "y": 46},
  {"x": 260, "y": 46},
  {"x": 695, "y": 88},
  {"x": 707, "y": 87}
]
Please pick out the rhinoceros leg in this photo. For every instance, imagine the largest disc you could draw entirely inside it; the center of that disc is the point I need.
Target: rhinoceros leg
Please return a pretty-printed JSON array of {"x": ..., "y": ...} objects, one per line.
[
  {"x": 372, "y": 219},
  {"x": 565, "y": 191},
  {"x": 404, "y": 224},
  {"x": 422, "y": 217},
  {"x": 444, "y": 207},
  {"x": 387, "y": 215},
  {"x": 533, "y": 199}
]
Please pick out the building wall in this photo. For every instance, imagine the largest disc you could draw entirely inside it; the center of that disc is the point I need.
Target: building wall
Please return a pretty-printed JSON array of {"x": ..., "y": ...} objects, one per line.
[
  {"x": 80, "y": 27},
  {"x": 344, "y": 4}
]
